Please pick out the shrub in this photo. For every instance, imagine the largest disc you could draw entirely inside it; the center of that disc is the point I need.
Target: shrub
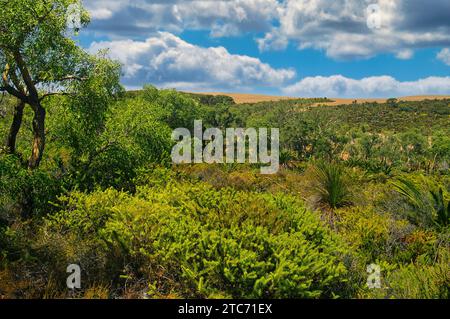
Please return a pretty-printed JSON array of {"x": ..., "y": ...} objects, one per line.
[
  {"x": 133, "y": 138},
  {"x": 419, "y": 280},
  {"x": 193, "y": 241},
  {"x": 25, "y": 193},
  {"x": 373, "y": 235}
]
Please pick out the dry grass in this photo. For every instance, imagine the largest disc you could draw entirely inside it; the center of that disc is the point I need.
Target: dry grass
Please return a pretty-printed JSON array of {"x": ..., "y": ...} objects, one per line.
[
  {"x": 241, "y": 98},
  {"x": 255, "y": 98}
]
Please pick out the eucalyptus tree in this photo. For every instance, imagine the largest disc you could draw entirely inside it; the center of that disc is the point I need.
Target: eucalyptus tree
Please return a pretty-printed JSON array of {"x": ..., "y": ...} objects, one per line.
[{"x": 39, "y": 59}]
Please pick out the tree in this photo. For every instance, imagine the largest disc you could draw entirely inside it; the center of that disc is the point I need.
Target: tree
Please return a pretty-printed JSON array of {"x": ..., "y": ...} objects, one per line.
[
  {"x": 39, "y": 59},
  {"x": 15, "y": 126}
]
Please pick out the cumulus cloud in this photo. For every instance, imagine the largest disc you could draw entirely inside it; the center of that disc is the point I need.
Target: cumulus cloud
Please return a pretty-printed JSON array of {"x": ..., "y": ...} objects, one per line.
[
  {"x": 168, "y": 61},
  {"x": 444, "y": 56},
  {"x": 138, "y": 18},
  {"x": 341, "y": 27},
  {"x": 379, "y": 86}
]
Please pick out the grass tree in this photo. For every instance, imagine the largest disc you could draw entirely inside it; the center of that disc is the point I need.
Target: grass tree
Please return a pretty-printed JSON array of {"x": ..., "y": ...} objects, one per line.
[{"x": 332, "y": 184}]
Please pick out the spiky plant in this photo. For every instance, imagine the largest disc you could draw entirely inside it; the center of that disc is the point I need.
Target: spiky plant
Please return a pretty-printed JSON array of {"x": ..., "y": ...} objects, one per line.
[
  {"x": 429, "y": 205},
  {"x": 442, "y": 209},
  {"x": 410, "y": 191},
  {"x": 331, "y": 184}
]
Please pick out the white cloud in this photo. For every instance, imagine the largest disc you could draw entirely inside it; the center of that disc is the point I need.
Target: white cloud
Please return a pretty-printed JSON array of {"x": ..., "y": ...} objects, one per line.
[
  {"x": 101, "y": 14},
  {"x": 222, "y": 17},
  {"x": 444, "y": 56},
  {"x": 168, "y": 61},
  {"x": 405, "y": 54},
  {"x": 380, "y": 86},
  {"x": 340, "y": 27}
]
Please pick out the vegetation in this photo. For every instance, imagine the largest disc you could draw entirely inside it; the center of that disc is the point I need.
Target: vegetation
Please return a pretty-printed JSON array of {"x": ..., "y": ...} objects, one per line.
[
  {"x": 358, "y": 184},
  {"x": 331, "y": 184}
]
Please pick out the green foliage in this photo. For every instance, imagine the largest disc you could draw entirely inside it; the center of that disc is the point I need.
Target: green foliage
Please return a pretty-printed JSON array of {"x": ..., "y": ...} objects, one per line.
[
  {"x": 132, "y": 138},
  {"x": 430, "y": 207},
  {"x": 39, "y": 29},
  {"x": 135, "y": 224},
  {"x": 76, "y": 120},
  {"x": 175, "y": 109},
  {"x": 331, "y": 184},
  {"x": 418, "y": 281},
  {"x": 213, "y": 100},
  {"x": 210, "y": 243},
  {"x": 380, "y": 236},
  {"x": 24, "y": 193},
  {"x": 442, "y": 208}
]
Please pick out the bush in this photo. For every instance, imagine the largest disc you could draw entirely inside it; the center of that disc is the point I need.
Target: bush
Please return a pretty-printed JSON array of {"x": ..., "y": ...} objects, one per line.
[
  {"x": 212, "y": 100},
  {"x": 194, "y": 241},
  {"x": 25, "y": 193},
  {"x": 133, "y": 138},
  {"x": 419, "y": 280},
  {"x": 377, "y": 236}
]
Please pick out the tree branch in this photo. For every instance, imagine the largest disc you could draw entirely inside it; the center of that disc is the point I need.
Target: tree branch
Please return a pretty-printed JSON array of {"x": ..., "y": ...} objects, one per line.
[
  {"x": 7, "y": 88},
  {"x": 34, "y": 95},
  {"x": 65, "y": 78},
  {"x": 55, "y": 93}
]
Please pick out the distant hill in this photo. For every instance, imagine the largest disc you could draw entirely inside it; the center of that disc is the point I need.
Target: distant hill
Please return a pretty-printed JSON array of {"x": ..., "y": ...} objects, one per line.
[
  {"x": 255, "y": 98},
  {"x": 213, "y": 98}
]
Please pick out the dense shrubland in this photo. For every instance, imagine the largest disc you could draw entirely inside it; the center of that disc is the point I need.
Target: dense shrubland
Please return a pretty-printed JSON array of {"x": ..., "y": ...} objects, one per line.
[
  {"x": 86, "y": 178},
  {"x": 358, "y": 185}
]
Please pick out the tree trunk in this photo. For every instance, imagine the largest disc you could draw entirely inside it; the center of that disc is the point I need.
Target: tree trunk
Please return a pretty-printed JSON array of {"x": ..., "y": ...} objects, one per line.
[
  {"x": 15, "y": 127},
  {"x": 38, "y": 136}
]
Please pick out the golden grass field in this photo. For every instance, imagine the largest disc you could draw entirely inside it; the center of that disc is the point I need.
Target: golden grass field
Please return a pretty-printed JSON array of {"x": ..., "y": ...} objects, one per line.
[{"x": 255, "y": 98}]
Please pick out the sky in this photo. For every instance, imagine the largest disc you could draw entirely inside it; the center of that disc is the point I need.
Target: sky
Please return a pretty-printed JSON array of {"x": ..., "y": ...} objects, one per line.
[{"x": 305, "y": 48}]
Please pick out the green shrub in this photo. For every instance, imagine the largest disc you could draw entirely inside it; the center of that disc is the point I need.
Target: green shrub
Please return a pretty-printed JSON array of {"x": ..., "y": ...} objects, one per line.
[
  {"x": 418, "y": 281},
  {"x": 133, "y": 137},
  {"x": 25, "y": 193},
  {"x": 374, "y": 236},
  {"x": 193, "y": 241}
]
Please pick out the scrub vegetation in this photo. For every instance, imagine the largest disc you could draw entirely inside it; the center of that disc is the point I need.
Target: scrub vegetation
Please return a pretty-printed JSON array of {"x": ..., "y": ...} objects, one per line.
[{"x": 86, "y": 178}]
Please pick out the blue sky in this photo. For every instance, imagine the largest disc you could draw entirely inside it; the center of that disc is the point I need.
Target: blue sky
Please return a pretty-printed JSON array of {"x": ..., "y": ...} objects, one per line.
[
  {"x": 341, "y": 48},
  {"x": 310, "y": 62}
]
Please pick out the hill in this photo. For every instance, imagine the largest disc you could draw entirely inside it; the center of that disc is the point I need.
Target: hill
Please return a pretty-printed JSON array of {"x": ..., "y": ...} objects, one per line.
[{"x": 256, "y": 98}]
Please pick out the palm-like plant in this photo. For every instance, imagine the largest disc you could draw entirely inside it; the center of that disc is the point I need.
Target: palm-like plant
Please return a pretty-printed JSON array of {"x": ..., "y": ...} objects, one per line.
[
  {"x": 331, "y": 184},
  {"x": 430, "y": 206},
  {"x": 442, "y": 209},
  {"x": 410, "y": 191}
]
